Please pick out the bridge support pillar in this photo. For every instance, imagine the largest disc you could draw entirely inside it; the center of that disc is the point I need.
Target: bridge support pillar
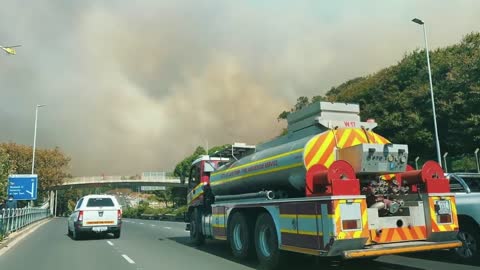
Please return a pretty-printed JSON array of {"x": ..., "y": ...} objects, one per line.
[
  {"x": 56, "y": 206},
  {"x": 51, "y": 196},
  {"x": 53, "y": 202}
]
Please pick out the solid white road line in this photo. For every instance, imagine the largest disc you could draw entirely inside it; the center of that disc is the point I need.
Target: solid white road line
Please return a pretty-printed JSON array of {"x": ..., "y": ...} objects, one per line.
[
  {"x": 110, "y": 243},
  {"x": 128, "y": 259}
]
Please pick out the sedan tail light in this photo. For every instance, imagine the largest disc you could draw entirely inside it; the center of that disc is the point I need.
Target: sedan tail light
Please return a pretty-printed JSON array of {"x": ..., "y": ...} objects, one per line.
[{"x": 119, "y": 214}]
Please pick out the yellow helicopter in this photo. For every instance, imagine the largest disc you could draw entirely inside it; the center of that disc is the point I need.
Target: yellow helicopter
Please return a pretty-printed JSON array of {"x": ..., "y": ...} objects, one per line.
[{"x": 10, "y": 50}]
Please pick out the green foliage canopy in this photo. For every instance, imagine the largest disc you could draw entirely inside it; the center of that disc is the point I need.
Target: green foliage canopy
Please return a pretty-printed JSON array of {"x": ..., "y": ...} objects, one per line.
[
  {"x": 398, "y": 98},
  {"x": 50, "y": 164}
]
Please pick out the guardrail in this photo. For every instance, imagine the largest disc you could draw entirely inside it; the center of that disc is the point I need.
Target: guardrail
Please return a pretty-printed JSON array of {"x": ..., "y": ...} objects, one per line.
[
  {"x": 117, "y": 178},
  {"x": 110, "y": 180},
  {"x": 166, "y": 217},
  {"x": 14, "y": 219}
]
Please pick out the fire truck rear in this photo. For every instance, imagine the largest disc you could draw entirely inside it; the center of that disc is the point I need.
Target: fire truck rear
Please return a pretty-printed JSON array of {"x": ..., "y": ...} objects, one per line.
[{"x": 331, "y": 187}]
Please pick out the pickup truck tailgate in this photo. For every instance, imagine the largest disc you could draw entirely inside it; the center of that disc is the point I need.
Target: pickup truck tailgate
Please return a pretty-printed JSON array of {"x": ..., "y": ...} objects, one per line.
[
  {"x": 100, "y": 216},
  {"x": 100, "y": 211}
]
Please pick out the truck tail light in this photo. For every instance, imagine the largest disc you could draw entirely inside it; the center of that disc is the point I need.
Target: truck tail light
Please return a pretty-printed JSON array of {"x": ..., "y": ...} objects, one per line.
[
  {"x": 80, "y": 216},
  {"x": 351, "y": 224},
  {"x": 445, "y": 218},
  {"x": 119, "y": 214}
]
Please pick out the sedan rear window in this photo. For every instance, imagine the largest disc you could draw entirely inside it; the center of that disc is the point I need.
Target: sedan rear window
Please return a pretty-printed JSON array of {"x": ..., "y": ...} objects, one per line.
[{"x": 99, "y": 202}]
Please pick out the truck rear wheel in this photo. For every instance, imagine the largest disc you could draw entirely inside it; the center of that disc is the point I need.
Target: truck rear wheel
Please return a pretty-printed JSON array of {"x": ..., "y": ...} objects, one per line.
[
  {"x": 240, "y": 236},
  {"x": 196, "y": 236},
  {"x": 266, "y": 242}
]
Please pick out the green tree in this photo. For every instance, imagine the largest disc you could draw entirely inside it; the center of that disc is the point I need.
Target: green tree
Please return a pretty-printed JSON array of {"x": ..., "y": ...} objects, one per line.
[
  {"x": 302, "y": 102},
  {"x": 5, "y": 170},
  {"x": 398, "y": 98},
  {"x": 164, "y": 196},
  {"x": 464, "y": 164},
  {"x": 51, "y": 165},
  {"x": 182, "y": 169},
  {"x": 215, "y": 149}
]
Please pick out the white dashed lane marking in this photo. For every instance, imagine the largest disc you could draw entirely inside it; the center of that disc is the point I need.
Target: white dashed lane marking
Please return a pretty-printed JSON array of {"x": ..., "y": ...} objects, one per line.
[
  {"x": 168, "y": 228},
  {"x": 128, "y": 259},
  {"x": 110, "y": 243}
]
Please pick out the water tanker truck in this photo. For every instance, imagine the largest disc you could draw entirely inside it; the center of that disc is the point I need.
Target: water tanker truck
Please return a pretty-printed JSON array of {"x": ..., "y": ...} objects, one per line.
[{"x": 330, "y": 187}]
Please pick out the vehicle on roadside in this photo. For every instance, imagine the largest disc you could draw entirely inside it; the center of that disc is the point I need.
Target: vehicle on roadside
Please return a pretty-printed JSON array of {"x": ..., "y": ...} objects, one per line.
[
  {"x": 466, "y": 187},
  {"x": 100, "y": 214}
]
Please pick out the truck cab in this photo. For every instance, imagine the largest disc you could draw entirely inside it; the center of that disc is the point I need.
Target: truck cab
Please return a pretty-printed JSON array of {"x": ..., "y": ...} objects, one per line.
[
  {"x": 200, "y": 175},
  {"x": 205, "y": 165}
]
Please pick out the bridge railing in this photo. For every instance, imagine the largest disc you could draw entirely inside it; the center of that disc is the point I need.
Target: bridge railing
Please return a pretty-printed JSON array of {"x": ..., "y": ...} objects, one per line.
[
  {"x": 14, "y": 219},
  {"x": 114, "y": 179}
]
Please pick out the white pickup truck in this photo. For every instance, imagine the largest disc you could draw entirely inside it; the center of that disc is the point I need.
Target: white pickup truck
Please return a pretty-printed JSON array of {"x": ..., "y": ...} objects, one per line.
[
  {"x": 97, "y": 214},
  {"x": 466, "y": 187}
]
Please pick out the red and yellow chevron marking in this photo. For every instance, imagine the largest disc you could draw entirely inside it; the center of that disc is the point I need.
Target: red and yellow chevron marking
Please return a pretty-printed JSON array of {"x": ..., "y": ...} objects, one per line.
[
  {"x": 389, "y": 235},
  {"x": 436, "y": 227},
  {"x": 377, "y": 138},
  {"x": 320, "y": 149},
  {"x": 363, "y": 233}
]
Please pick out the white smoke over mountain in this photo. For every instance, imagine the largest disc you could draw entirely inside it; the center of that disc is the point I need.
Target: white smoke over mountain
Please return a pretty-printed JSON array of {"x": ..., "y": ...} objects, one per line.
[{"x": 136, "y": 86}]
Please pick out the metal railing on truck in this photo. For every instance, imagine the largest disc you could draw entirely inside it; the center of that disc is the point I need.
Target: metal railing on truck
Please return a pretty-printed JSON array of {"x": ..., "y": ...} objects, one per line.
[{"x": 14, "y": 219}]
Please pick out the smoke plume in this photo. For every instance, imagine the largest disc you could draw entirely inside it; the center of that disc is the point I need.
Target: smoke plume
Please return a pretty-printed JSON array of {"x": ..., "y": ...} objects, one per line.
[{"x": 136, "y": 86}]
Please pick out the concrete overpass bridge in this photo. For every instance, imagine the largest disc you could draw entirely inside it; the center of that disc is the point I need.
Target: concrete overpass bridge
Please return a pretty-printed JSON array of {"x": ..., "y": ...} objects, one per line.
[
  {"x": 96, "y": 181},
  {"x": 117, "y": 181}
]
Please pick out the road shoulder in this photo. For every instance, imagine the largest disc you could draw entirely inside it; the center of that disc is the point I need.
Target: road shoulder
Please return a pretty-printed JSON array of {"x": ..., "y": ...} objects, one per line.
[{"x": 16, "y": 237}]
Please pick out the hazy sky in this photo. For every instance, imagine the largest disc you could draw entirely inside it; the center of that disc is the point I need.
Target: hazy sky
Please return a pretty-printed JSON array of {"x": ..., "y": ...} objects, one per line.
[{"x": 135, "y": 86}]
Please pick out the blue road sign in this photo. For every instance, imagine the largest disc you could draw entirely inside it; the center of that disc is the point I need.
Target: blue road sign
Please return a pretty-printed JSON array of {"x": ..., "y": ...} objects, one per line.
[{"x": 23, "y": 186}]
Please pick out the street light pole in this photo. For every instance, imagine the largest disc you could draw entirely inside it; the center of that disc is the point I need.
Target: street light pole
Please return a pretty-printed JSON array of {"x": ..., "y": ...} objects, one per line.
[
  {"x": 416, "y": 163},
  {"x": 35, "y": 136},
  {"x": 420, "y": 22},
  {"x": 445, "y": 161},
  {"x": 476, "y": 158}
]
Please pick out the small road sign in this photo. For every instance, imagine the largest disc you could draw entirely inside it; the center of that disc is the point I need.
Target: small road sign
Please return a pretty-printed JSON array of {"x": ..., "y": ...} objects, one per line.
[
  {"x": 23, "y": 186},
  {"x": 152, "y": 188}
]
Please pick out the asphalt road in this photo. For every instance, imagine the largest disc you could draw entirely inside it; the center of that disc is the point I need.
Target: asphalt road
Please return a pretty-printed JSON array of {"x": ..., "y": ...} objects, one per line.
[{"x": 164, "y": 245}]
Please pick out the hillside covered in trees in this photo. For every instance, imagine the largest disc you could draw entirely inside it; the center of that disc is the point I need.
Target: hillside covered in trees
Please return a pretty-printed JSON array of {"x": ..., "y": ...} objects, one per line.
[{"x": 398, "y": 98}]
